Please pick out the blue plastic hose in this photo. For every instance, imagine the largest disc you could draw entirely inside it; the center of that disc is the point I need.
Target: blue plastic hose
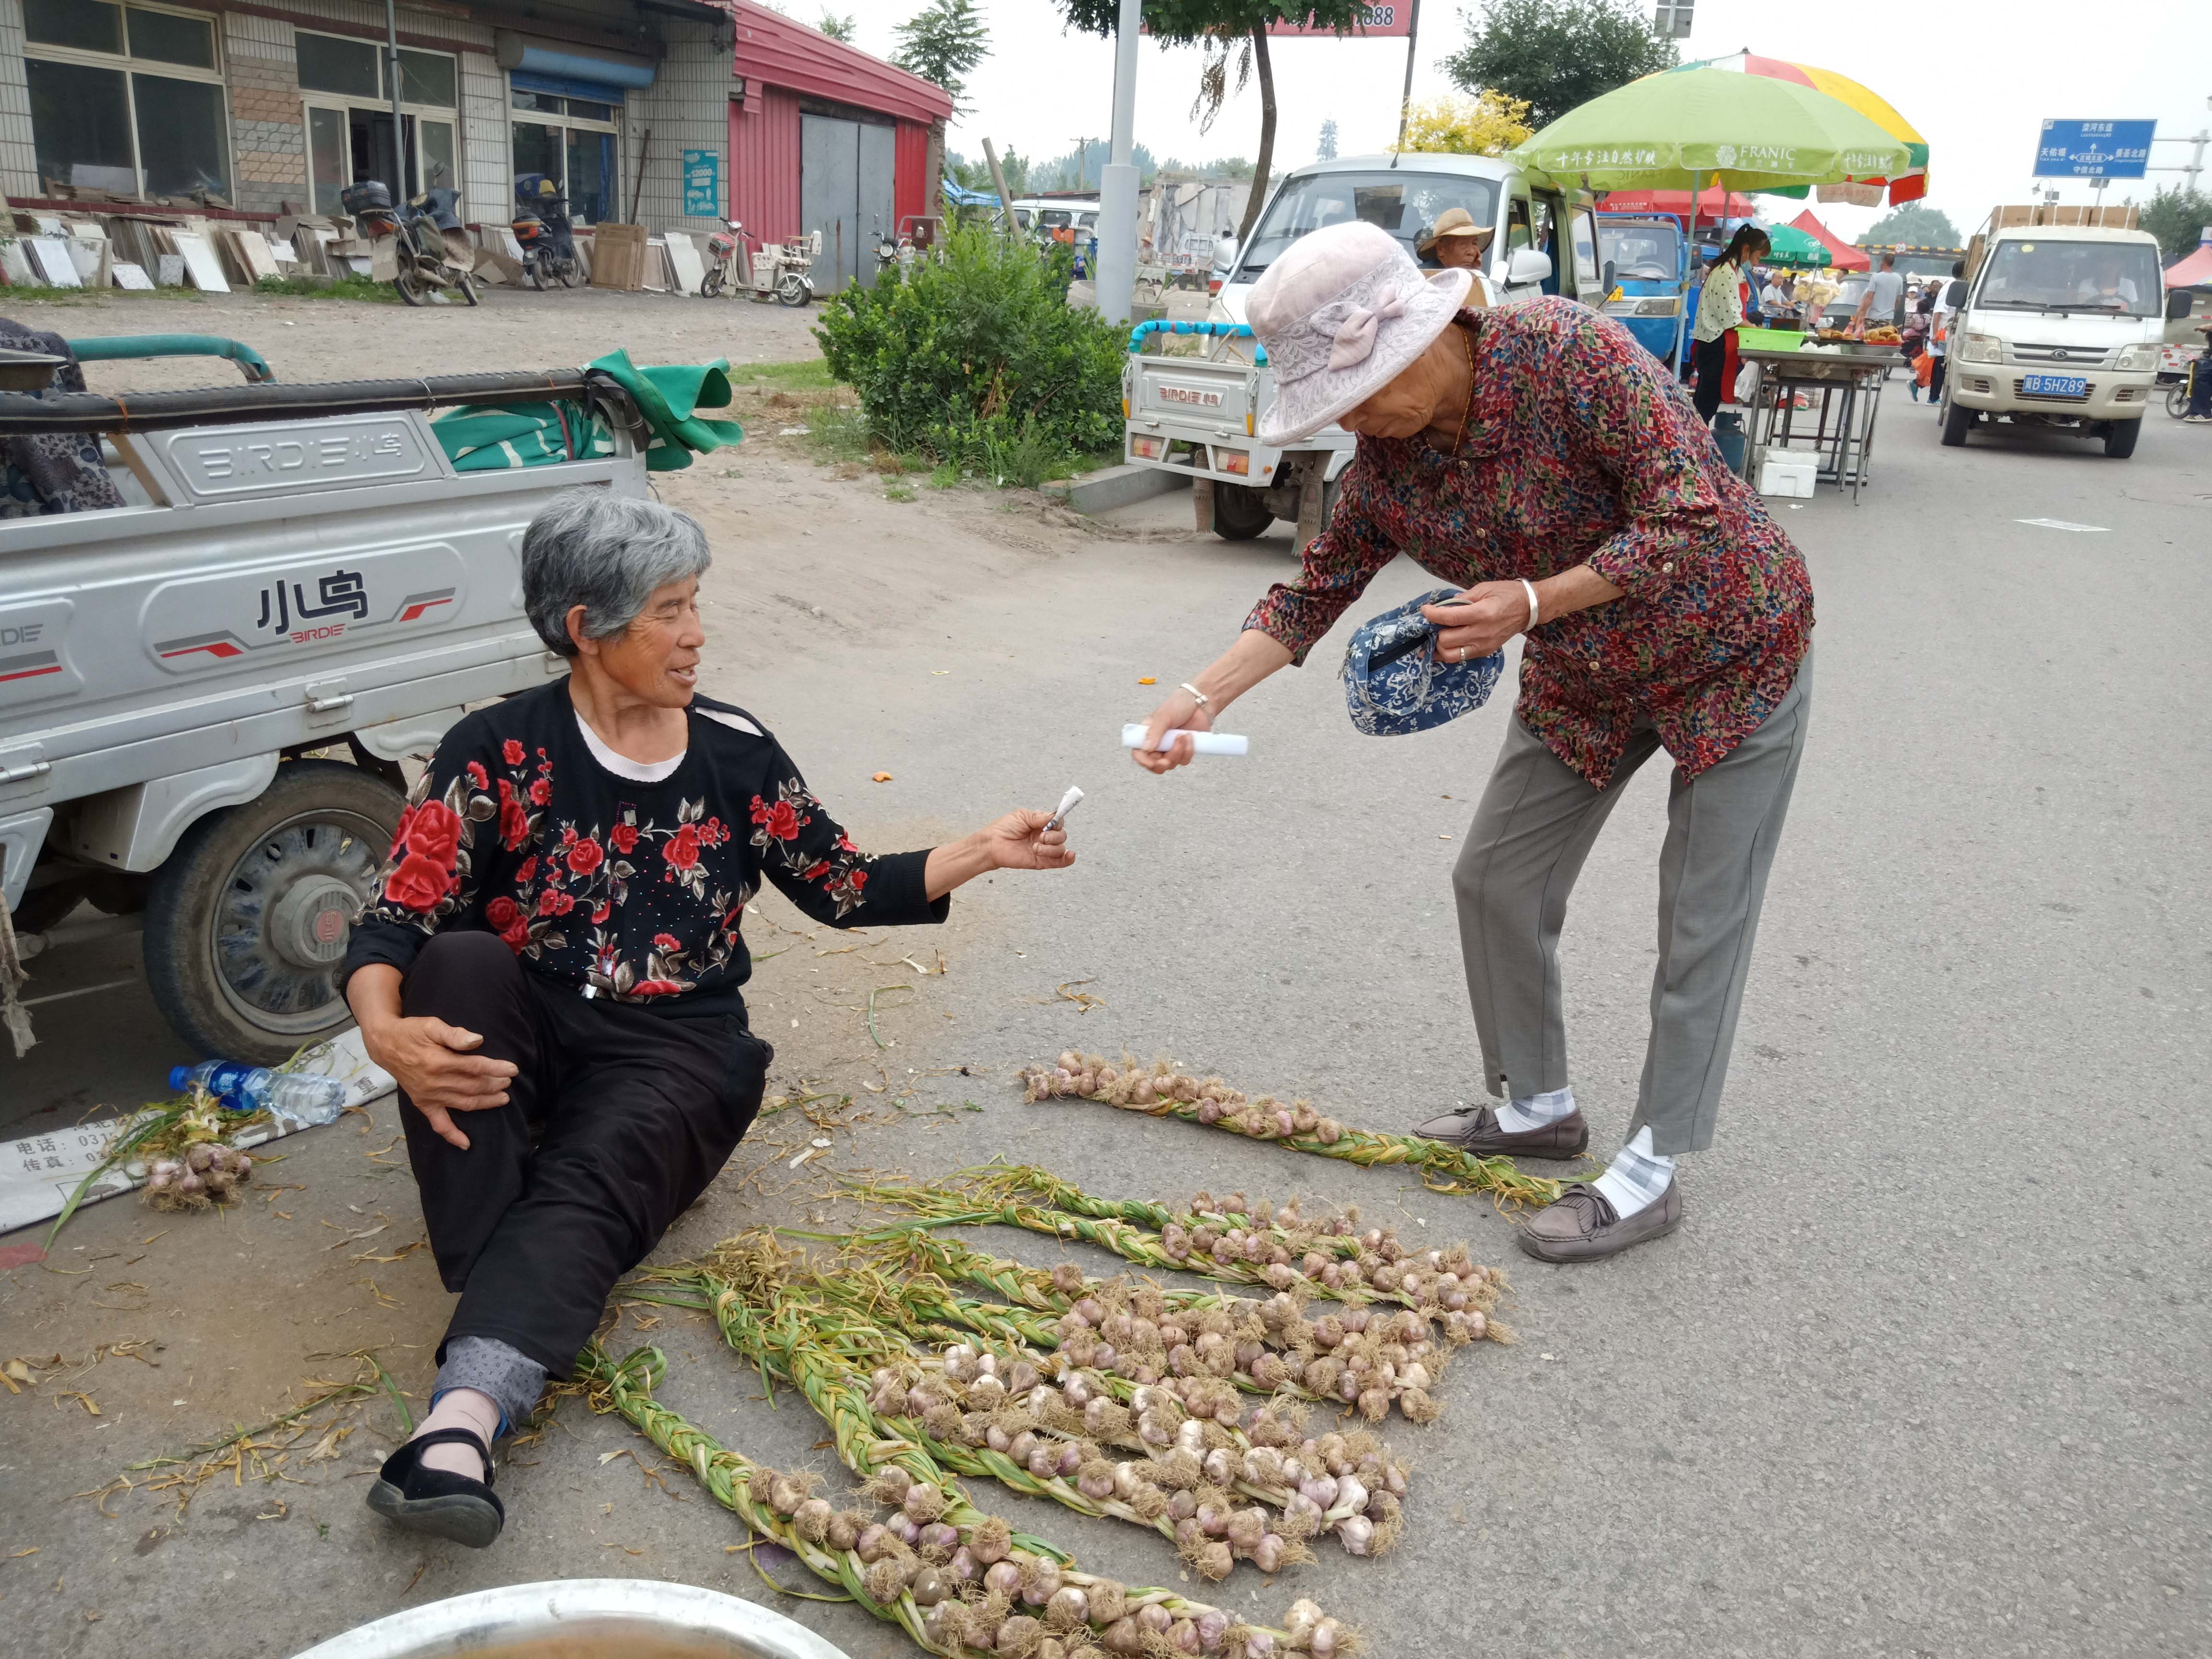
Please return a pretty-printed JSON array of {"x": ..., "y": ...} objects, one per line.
[
  {"x": 110, "y": 348},
  {"x": 1225, "y": 331}
]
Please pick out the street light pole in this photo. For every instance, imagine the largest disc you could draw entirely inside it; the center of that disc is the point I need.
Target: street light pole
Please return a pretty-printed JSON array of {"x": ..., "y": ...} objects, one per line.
[
  {"x": 1116, "y": 276},
  {"x": 399, "y": 121},
  {"x": 1406, "y": 98}
]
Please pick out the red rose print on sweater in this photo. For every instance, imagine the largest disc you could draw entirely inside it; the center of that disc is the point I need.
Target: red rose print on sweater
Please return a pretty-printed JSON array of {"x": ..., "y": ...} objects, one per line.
[
  {"x": 682, "y": 848},
  {"x": 502, "y": 913},
  {"x": 779, "y": 820},
  {"x": 623, "y": 837},
  {"x": 586, "y": 856},
  {"x": 513, "y": 821},
  {"x": 541, "y": 791},
  {"x": 418, "y": 884},
  {"x": 511, "y": 752},
  {"x": 667, "y": 941}
]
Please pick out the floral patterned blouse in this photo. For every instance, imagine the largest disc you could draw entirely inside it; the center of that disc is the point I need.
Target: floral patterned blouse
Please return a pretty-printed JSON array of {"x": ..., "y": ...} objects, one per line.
[
  {"x": 633, "y": 890},
  {"x": 1581, "y": 449}
]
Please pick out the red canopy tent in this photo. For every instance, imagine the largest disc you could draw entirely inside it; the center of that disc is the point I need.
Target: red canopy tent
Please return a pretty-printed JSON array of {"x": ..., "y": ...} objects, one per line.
[
  {"x": 1842, "y": 255},
  {"x": 1712, "y": 203},
  {"x": 2192, "y": 270}
]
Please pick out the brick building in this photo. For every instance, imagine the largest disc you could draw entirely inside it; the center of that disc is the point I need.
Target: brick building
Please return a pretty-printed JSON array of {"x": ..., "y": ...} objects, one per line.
[{"x": 257, "y": 105}]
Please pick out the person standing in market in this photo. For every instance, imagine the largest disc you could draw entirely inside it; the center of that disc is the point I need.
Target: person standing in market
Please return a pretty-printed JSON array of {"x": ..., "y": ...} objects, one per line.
[
  {"x": 1939, "y": 334},
  {"x": 1537, "y": 456},
  {"x": 1885, "y": 292},
  {"x": 1720, "y": 313}
]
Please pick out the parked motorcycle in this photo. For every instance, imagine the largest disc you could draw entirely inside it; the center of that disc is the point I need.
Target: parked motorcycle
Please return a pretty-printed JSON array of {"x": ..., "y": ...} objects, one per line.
[
  {"x": 785, "y": 273},
  {"x": 545, "y": 233},
  {"x": 418, "y": 248}
]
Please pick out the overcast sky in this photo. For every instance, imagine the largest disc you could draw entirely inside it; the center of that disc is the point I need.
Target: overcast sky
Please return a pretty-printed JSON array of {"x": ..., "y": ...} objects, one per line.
[{"x": 1976, "y": 77}]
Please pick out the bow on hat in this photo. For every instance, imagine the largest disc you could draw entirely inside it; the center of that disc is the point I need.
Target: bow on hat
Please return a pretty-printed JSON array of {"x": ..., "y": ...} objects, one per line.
[{"x": 1355, "y": 335}]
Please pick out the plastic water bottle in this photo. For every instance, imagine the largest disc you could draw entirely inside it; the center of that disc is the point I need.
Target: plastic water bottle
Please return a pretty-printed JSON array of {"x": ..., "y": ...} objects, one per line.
[{"x": 294, "y": 1097}]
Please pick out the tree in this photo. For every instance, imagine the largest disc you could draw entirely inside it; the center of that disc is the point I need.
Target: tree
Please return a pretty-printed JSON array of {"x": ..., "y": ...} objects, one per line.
[
  {"x": 1555, "y": 54},
  {"x": 836, "y": 28},
  {"x": 1488, "y": 123},
  {"x": 2177, "y": 216},
  {"x": 1914, "y": 225},
  {"x": 943, "y": 43},
  {"x": 1226, "y": 31},
  {"x": 1325, "y": 150}
]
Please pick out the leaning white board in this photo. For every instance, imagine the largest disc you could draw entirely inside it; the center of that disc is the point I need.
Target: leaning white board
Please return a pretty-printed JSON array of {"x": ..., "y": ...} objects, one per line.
[
  {"x": 200, "y": 262},
  {"x": 51, "y": 256},
  {"x": 38, "y": 1172},
  {"x": 684, "y": 255},
  {"x": 132, "y": 276}
]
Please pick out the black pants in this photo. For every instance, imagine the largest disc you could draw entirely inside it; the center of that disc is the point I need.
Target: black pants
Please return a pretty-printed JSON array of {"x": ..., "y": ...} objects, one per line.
[
  {"x": 1710, "y": 357},
  {"x": 1935, "y": 380},
  {"x": 615, "y": 1123}
]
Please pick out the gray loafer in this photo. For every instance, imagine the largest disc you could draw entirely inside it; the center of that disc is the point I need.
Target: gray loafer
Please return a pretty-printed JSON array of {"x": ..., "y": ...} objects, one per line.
[
  {"x": 1475, "y": 1130},
  {"x": 1582, "y": 1225}
]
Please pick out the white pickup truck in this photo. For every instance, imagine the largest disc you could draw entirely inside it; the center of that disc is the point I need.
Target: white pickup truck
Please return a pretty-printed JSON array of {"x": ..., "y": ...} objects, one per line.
[
  {"x": 1199, "y": 414},
  {"x": 2061, "y": 326},
  {"x": 205, "y": 692}
]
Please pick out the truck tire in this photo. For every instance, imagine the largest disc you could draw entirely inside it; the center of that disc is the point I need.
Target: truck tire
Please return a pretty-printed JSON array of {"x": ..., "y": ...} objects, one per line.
[
  {"x": 241, "y": 948},
  {"x": 2120, "y": 439},
  {"x": 1240, "y": 512},
  {"x": 1958, "y": 420}
]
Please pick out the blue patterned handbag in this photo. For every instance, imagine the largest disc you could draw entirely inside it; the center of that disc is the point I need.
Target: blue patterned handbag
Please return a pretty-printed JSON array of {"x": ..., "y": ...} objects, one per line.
[{"x": 1392, "y": 683}]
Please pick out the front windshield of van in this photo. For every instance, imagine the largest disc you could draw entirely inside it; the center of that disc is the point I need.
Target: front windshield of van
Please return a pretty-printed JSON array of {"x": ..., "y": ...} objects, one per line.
[
  {"x": 1644, "y": 253},
  {"x": 2113, "y": 279},
  {"x": 1402, "y": 202}
]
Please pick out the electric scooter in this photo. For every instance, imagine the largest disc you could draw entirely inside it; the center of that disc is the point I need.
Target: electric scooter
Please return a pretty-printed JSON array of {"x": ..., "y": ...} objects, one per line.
[{"x": 545, "y": 233}]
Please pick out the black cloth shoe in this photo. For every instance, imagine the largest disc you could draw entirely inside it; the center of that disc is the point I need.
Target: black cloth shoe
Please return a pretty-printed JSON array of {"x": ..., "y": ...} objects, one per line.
[
  {"x": 438, "y": 1500},
  {"x": 1475, "y": 1129}
]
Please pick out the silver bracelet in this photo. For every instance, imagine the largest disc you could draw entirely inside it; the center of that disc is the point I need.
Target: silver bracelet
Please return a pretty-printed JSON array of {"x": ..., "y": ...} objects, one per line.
[
  {"x": 1195, "y": 692},
  {"x": 1531, "y": 589}
]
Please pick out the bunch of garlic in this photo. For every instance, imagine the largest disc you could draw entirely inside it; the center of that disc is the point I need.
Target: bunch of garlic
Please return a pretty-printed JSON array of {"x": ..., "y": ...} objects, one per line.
[{"x": 206, "y": 1172}]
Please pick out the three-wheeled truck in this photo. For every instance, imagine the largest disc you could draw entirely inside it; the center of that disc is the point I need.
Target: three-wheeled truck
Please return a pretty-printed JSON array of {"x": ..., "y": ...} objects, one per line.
[{"x": 206, "y": 693}]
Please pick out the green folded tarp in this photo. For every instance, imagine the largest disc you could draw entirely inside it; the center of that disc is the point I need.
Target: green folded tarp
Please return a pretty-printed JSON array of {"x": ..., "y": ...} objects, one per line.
[{"x": 490, "y": 438}]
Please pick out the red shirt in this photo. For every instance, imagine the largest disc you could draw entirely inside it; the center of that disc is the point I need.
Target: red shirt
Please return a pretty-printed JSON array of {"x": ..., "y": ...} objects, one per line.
[{"x": 1581, "y": 449}]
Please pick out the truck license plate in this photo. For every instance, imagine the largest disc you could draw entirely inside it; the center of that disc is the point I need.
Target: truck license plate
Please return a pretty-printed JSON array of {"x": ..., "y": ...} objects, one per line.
[{"x": 2054, "y": 385}]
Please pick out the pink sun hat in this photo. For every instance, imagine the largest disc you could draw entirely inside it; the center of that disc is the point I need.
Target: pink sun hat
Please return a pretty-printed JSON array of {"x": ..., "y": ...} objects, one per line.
[{"x": 1342, "y": 312}]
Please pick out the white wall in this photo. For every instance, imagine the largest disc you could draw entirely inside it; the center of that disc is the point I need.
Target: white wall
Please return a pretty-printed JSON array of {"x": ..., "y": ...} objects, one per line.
[{"x": 686, "y": 107}]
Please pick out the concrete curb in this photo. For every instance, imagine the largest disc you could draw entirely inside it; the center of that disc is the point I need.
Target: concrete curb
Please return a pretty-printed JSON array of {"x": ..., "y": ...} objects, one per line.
[{"x": 1115, "y": 486}]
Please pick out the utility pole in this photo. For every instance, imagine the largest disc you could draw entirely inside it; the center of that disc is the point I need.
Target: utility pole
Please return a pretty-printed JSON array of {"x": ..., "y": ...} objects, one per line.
[
  {"x": 1116, "y": 276},
  {"x": 1406, "y": 98},
  {"x": 399, "y": 121}
]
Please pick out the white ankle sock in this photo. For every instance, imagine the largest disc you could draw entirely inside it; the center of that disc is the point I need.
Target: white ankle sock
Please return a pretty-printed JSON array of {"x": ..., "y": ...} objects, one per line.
[
  {"x": 460, "y": 1408},
  {"x": 1528, "y": 1112},
  {"x": 1637, "y": 1177}
]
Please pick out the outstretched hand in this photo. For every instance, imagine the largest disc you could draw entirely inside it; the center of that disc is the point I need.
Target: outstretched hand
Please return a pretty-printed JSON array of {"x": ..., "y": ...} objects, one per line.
[{"x": 1020, "y": 841}]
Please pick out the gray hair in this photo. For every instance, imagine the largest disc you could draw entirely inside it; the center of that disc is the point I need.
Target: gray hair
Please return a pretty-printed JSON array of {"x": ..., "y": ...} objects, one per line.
[{"x": 607, "y": 553}]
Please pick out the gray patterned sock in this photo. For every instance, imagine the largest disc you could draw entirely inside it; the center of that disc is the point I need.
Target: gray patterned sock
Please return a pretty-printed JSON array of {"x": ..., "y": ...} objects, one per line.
[{"x": 1637, "y": 1177}]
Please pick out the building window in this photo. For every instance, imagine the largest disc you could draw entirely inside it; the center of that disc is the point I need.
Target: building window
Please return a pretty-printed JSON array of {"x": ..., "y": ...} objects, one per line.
[
  {"x": 348, "y": 94},
  {"x": 125, "y": 97},
  {"x": 571, "y": 141}
]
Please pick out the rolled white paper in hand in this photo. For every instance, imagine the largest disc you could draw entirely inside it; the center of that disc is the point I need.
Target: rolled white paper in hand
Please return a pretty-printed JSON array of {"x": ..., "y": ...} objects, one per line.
[
  {"x": 1205, "y": 742},
  {"x": 1068, "y": 803}
]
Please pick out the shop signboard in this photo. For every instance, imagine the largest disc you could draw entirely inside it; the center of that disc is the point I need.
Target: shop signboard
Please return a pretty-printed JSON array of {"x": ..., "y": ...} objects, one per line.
[{"x": 702, "y": 184}]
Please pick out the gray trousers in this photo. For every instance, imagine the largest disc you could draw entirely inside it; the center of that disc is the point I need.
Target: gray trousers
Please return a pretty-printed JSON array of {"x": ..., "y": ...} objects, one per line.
[{"x": 1536, "y": 823}]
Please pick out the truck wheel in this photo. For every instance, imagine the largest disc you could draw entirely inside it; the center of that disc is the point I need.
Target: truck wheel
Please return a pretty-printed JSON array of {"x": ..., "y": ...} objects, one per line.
[
  {"x": 249, "y": 917},
  {"x": 2120, "y": 439},
  {"x": 1240, "y": 512},
  {"x": 1958, "y": 420}
]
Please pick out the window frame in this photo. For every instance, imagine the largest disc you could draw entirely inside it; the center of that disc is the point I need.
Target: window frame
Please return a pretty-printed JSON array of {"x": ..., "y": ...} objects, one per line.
[
  {"x": 132, "y": 66},
  {"x": 564, "y": 123},
  {"x": 343, "y": 103}
]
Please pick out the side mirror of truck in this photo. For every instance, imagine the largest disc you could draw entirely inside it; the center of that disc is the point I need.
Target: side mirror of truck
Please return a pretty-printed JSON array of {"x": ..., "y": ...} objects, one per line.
[
  {"x": 2177, "y": 306},
  {"x": 1528, "y": 267},
  {"x": 1606, "y": 280},
  {"x": 1955, "y": 295}
]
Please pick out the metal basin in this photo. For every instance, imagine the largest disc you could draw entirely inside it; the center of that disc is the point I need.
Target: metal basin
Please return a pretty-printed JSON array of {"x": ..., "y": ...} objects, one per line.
[{"x": 583, "y": 1619}]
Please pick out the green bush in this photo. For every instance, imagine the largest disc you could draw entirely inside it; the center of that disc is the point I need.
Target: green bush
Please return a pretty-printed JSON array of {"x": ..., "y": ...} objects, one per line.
[{"x": 977, "y": 360}]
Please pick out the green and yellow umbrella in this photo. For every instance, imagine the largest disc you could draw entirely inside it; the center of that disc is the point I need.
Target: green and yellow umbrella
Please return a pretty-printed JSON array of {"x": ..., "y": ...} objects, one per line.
[{"x": 1908, "y": 186}]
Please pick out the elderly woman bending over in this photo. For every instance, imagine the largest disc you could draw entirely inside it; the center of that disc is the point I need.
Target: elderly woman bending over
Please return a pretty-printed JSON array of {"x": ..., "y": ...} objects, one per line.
[{"x": 552, "y": 972}]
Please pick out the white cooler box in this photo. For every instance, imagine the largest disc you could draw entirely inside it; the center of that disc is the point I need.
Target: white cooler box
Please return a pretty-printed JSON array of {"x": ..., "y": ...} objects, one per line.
[{"x": 1787, "y": 472}]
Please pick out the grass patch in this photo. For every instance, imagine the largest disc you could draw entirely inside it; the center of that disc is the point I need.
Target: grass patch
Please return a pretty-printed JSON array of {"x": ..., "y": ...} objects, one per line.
[
  {"x": 347, "y": 286},
  {"x": 898, "y": 490},
  {"x": 945, "y": 475},
  {"x": 40, "y": 293},
  {"x": 838, "y": 431},
  {"x": 811, "y": 375}
]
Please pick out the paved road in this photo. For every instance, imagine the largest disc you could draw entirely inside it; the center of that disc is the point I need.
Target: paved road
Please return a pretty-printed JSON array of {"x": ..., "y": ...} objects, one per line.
[{"x": 1923, "y": 1372}]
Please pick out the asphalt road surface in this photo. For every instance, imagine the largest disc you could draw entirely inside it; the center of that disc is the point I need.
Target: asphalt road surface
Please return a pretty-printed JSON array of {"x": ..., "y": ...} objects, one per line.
[{"x": 1922, "y": 1372}]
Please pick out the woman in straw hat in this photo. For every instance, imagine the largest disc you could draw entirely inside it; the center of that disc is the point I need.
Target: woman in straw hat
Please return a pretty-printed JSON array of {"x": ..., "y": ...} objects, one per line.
[
  {"x": 1455, "y": 242},
  {"x": 1540, "y": 457}
]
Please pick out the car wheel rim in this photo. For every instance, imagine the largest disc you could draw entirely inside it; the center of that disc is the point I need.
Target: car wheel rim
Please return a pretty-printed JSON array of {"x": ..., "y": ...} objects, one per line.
[{"x": 276, "y": 952}]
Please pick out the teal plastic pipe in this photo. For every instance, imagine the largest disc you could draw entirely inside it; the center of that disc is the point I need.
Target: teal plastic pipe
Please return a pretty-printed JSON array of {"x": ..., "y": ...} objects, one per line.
[{"x": 110, "y": 348}]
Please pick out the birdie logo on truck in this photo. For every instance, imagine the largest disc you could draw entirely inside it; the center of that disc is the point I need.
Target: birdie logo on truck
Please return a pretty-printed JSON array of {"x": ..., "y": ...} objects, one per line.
[{"x": 310, "y": 605}]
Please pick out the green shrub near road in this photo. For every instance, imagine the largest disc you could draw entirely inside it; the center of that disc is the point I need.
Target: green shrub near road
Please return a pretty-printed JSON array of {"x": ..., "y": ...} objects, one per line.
[{"x": 976, "y": 360}]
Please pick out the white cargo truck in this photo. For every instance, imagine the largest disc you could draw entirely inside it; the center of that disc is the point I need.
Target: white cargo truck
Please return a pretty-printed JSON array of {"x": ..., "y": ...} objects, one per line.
[{"x": 1199, "y": 414}]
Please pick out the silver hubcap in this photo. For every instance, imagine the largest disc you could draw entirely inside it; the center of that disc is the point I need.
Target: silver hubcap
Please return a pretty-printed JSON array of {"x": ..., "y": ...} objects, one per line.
[{"x": 285, "y": 914}]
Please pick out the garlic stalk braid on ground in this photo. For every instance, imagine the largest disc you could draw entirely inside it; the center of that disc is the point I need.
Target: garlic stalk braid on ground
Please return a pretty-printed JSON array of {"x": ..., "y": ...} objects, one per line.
[
  {"x": 893, "y": 1583},
  {"x": 1137, "y": 1333},
  {"x": 1294, "y": 1124},
  {"x": 985, "y": 1413},
  {"x": 1281, "y": 1243},
  {"x": 909, "y": 1470}
]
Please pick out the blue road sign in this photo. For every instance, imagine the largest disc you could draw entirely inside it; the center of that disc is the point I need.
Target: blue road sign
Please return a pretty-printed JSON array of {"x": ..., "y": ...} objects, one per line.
[{"x": 2093, "y": 149}]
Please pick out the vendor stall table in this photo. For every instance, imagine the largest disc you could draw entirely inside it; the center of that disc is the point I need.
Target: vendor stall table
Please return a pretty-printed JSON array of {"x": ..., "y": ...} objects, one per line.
[{"x": 1843, "y": 386}]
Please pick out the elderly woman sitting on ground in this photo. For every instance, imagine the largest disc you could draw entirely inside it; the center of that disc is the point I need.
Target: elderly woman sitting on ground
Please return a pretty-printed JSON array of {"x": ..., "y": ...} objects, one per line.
[{"x": 552, "y": 971}]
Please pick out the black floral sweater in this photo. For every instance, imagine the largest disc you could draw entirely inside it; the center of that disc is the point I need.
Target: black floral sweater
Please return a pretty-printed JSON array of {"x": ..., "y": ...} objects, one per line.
[{"x": 633, "y": 890}]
